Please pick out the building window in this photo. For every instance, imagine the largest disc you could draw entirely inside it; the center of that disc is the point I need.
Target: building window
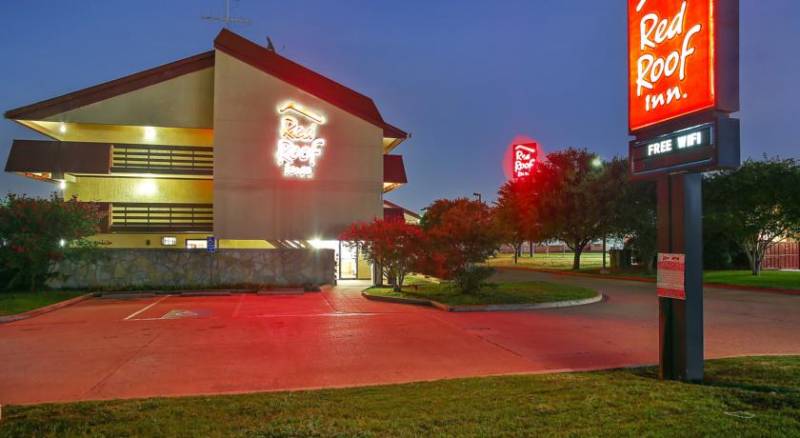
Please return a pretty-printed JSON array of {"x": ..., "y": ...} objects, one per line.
[
  {"x": 169, "y": 241},
  {"x": 196, "y": 244}
]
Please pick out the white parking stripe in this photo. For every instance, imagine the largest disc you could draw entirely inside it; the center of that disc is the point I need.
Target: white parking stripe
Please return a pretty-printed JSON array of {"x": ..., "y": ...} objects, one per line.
[{"x": 145, "y": 308}]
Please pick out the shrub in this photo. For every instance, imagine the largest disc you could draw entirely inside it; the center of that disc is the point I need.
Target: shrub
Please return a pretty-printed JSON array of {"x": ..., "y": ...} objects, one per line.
[
  {"x": 35, "y": 233},
  {"x": 472, "y": 278}
]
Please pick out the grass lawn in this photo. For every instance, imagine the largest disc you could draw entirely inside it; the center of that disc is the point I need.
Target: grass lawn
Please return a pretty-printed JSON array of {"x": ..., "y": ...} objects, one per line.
[
  {"x": 12, "y": 303},
  {"x": 771, "y": 279},
  {"x": 758, "y": 396},
  {"x": 555, "y": 260},
  {"x": 592, "y": 262},
  {"x": 503, "y": 293}
]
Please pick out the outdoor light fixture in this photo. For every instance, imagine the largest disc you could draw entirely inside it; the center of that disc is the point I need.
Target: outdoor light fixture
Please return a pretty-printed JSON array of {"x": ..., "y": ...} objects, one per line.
[
  {"x": 146, "y": 188},
  {"x": 62, "y": 185},
  {"x": 298, "y": 144},
  {"x": 597, "y": 162},
  {"x": 62, "y": 243},
  {"x": 149, "y": 133},
  {"x": 62, "y": 128}
]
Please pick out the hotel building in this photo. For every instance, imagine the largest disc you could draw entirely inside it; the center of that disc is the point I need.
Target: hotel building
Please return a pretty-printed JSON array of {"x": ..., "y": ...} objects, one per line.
[{"x": 239, "y": 143}]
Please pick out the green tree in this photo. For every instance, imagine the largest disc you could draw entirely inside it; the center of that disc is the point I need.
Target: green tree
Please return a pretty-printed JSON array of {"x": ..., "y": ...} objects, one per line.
[
  {"x": 35, "y": 233},
  {"x": 635, "y": 220},
  {"x": 756, "y": 205},
  {"x": 579, "y": 196}
]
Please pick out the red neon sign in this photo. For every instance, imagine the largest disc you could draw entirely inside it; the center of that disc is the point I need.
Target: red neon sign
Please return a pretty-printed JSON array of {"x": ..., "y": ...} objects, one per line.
[
  {"x": 671, "y": 65},
  {"x": 525, "y": 158},
  {"x": 521, "y": 158}
]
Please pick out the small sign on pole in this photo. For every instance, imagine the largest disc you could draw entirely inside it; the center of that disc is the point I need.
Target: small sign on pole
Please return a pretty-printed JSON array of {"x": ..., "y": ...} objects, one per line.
[
  {"x": 671, "y": 276},
  {"x": 211, "y": 244}
]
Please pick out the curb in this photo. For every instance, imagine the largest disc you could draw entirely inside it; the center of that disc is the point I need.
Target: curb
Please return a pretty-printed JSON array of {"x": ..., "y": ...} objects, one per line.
[
  {"x": 516, "y": 307},
  {"x": 650, "y": 280},
  {"x": 46, "y": 309},
  {"x": 398, "y": 300},
  {"x": 484, "y": 307}
]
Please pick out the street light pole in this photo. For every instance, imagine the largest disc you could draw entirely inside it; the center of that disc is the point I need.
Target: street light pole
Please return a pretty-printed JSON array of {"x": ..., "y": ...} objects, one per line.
[{"x": 478, "y": 195}]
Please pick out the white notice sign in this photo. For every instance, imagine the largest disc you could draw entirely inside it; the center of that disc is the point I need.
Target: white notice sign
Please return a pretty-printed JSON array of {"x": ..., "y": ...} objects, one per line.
[{"x": 671, "y": 268}]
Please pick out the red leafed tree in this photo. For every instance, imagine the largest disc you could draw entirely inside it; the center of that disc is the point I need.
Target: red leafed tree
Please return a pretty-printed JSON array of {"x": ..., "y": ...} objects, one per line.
[
  {"x": 459, "y": 234},
  {"x": 516, "y": 213},
  {"x": 391, "y": 244}
]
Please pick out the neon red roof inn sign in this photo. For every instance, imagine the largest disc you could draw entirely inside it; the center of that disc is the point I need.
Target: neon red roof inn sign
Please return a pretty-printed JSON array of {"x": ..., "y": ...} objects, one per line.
[{"x": 525, "y": 157}]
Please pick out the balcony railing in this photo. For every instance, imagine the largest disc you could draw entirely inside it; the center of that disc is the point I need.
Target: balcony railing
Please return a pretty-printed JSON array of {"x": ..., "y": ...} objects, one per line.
[
  {"x": 177, "y": 160},
  {"x": 143, "y": 217}
]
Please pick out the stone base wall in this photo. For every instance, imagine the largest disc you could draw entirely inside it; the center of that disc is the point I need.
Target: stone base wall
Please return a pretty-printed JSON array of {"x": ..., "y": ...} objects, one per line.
[{"x": 179, "y": 268}]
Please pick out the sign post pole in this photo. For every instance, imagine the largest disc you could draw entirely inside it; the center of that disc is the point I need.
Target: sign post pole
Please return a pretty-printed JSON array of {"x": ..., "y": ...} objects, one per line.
[
  {"x": 681, "y": 320},
  {"x": 683, "y": 84}
]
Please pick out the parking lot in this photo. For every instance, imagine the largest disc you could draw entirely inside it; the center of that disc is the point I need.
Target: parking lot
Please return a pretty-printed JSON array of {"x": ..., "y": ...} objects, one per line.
[{"x": 178, "y": 345}]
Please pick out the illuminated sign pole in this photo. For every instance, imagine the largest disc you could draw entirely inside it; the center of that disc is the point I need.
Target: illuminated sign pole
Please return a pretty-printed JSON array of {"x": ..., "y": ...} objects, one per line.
[{"x": 683, "y": 82}]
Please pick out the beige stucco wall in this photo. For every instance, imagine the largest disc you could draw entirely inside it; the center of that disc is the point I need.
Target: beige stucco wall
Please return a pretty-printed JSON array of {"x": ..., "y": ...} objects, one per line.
[
  {"x": 120, "y": 189},
  {"x": 252, "y": 199},
  {"x": 183, "y": 102}
]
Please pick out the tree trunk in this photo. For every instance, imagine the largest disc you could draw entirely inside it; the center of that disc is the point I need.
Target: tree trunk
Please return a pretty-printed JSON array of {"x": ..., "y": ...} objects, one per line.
[
  {"x": 756, "y": 263},
  {"x": 531, "y": 248},
  {"x": 649, "y": 260},
  {"x": 576, "y": 261},
  {"x": 517, "y": 251},
  {"x": 398, "y": 284}
]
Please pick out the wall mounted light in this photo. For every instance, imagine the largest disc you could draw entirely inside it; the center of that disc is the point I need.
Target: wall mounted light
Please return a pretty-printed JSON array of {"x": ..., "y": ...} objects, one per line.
[
  {"x": 149, "y": 133},
  {"x": 146, "y": 188}
]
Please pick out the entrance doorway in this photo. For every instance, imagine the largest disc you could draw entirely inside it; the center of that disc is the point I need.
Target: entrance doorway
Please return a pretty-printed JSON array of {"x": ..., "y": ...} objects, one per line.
[
  {"x": 348, "y": 261},
  {"x": 346, "y": 255}
]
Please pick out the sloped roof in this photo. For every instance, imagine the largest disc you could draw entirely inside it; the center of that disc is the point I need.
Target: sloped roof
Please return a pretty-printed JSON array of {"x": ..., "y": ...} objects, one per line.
[
  {"x": 301, "y": 77},
  {"x": 87, "y": 96},
  {"x": 390, "y": 204},
  {"x": 236, "y": 46}
]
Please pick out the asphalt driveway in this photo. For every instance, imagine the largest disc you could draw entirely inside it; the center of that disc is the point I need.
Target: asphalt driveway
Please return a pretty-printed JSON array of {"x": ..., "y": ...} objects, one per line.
[{"x": 169, "y": 346}]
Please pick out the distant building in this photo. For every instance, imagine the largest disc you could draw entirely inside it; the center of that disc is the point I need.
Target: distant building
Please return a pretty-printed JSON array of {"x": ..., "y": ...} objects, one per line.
[
  {"x": 783, "y": 255},
  {"x": 239, "y": 143}
]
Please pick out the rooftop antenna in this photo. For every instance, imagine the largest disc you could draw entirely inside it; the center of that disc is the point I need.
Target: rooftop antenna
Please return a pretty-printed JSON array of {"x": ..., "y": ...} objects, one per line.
[{"x": 227, "y": 19}]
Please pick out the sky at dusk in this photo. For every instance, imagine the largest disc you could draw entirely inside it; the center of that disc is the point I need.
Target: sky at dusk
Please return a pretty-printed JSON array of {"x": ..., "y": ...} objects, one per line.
[{"x": 464, "y": 77}]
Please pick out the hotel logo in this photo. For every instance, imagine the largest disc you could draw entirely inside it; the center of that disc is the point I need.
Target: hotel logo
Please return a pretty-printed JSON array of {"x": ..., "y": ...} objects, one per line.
[
  {"x": 671, "y": 59},
  {"x": 298, "y": 147}
]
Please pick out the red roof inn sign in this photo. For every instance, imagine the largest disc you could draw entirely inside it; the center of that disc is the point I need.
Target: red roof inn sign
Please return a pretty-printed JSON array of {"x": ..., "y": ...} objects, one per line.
[
  {"x": 524, "y": 159},
  {"x": 683, "y": 80}
]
